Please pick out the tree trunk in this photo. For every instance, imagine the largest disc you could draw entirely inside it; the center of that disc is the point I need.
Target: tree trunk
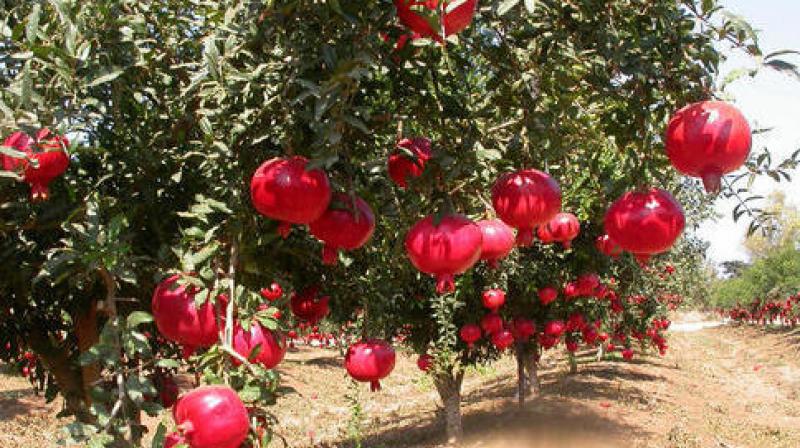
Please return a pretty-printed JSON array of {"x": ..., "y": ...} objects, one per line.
[
  {"x": 522, "y": 388},
  {"x": 601, "y": 352},
  {"x": 87, "y": 335},
  {"x": 449, "y": 388},
  {"x": 532, "y": 365},
  {"x": 67, "y": 375},
  {"x": 573, "y": 364}
]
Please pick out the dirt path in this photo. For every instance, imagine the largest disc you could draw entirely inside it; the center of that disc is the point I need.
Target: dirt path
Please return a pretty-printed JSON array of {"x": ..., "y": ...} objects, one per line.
[{"x": 719, "y": 386}]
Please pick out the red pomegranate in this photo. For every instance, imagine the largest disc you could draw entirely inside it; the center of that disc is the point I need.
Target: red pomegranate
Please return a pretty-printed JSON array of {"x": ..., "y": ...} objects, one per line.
[
  {"x": 309, "y": 306},
  {"x": 424, "y": 362},
  {"x": 588, "y": 284},
  {"x": 522, "y": 328},
  {"x": 270, "y": 346},
  {"x": 179, "y": 319},
  {"x": 491, "y": 323},
  {"x": 273, "y": 293},
  {"x": 544, "y": 235},
  {"x": 502, "y": 339},
  {"x": 498, "y": 241},
  {"x": 493, "y": 299},
  {"x": 211, "y": 417},
  {"x": 282, "y": 189},
  {"x": 645, "y": 223},
  {"x": 344, "y": 226},
  {"x": 470, "y": 334},
  {"x": 707, "y": 140},
  {"x": 525, "y": 199},
  {"x": 173, "y": 439},
  {"x": 444, "y": 250},
  {"x": 572, "y": 346},
  {"x": 554, "y": 328},
  {"x": 627, "y": 354},
  {"x": 420, "y": 21},
  {"x": 370, "y": 361},
  {"x": 403, "y": 167},
  {"x": 47, "y": 149},
  {"x": 607, "y": 246},
  {"x": 547, "y": 295},
  {"x": 564, "y": 227},
  {"x": 571, "y": 290}
]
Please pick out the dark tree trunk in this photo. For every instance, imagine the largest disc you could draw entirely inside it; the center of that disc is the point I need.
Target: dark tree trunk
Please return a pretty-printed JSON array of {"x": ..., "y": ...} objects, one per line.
[
  {"x": 573, "y": 363},
  {"x": 532, "y": 366},
  {"x": 87, "y": 335},
  {"x": 522, "y": 388},
  {"x": 449, "y": 388}
]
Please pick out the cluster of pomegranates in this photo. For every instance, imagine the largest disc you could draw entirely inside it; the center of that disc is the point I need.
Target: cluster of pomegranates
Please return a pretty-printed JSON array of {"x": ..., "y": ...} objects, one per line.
[{"x": 783, "y": 312}]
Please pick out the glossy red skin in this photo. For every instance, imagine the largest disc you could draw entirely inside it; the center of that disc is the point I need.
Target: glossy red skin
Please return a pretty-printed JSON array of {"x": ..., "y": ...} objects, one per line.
[
  {"x": 564, "y": 227},
  {"x": 544, "y": 235},
  {"x": 342, "y": 228},
  {"x": 402, "y": 168},
  {"x": 588, "y": 284},
  {"x": 454, "y": 22},
  {"x": 547, "y": 295},
  {"x": 308, "y": 306},
  {"x": 272, "y": 345},
  {"x": 571, "y": 290},
  {"x": 572, "y": 346},
  {"x": 424, "y": 362},
  {"x": 179, "y": 320},
  {"x": 645, "y": 223},
  {"x": 445, "y": 250},
  {"x": 48, "y": 150},
  {"x": 283, "y": 190},
  {"x": 493, "y": 299},
  {"x": 525, "y": 199},
  {"x": 470, "y": 333},
  {"x": 491, "y": 323},
  {"x": 707, "y": 140},
  {"x": 370, "y": 361},
  {"x": 498, "y": 241},
  {"x": 554, "y": 328},
  {"x": 522, "y": 328},
  {"x": 212, "y": 417},
  {"x": 607, "y": 246},
  {"x": 502, "y": 339}
]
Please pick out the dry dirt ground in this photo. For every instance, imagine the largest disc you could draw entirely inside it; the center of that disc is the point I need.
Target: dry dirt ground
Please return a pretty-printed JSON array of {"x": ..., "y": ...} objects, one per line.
[{"x": 718, "y": 387}]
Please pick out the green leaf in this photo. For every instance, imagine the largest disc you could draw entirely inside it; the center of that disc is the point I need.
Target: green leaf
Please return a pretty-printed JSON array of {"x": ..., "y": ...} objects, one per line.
[
  {"x": 530, "y": 5},
  {"x": 138, "y": 318},
  {"x": 32, "y": 27},
  {"x": 105, "y": 77},
  {"x": 506, "y": 6},
  {"x": 168, "y": 364}
]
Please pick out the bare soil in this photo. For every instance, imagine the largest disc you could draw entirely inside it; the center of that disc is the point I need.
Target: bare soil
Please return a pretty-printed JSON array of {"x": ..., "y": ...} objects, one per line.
[{"x": 717, "y": 387}]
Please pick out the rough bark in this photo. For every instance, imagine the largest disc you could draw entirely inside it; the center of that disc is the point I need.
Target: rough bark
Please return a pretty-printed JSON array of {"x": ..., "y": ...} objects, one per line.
[
  {"x": 532, "y": 366},
  {"x": 66, "y": 373},
  {"x": 573, "y": 364},
  {"x": 87, "y": 335},
  {"x": 449, "y": 387},
  {"x": 600, "y": 352},
  {"x": 522, "y": 388}
]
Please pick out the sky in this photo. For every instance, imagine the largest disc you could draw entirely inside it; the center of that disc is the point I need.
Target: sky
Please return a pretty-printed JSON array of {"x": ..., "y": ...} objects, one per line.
[{"x": 770, "y": 100}]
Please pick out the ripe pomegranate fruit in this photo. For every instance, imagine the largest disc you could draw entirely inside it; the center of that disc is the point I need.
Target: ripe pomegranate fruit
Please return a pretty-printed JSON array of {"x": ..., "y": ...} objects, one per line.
[
  {"x": 522, "y": 328},
  {"x": 445, "y": 249},
  {"x": 547, "y": 295},
  {"x": 588, "y": 284},
  {"x": 179, "y": 319},
  {"x": 493, "y": 299},
  {"x": 554, "y": 328},
  {"x": 470, "y": 334},
  {"x": 572, "y": 346},
  {"x": 707, "y": 140},
  {"x": 402, "y": 167},
  {"x": 282, "y": 189},
  {"x": 498, "y": 241},
  {"x": 607, "y": 246},
  {"x": 627, "y": 354},
  {"x": 525, "y": 199},
  {"x": 491, "y": 323},
  {"x": 645, "y": 223},
  {"x": 563, "y": 228},
  {"x": 47, "y": 149},
  {"x": 544, "y": 235},
  {"x": 211, "y": 417},
  {"x": 343, "y": 227},
  {"x": 502, "y": 339},
  {"x": 308, "y": 306},
  {"x": 370, "y": 361},
  {"x": 270, "y": 346},
  {"x": 424, "y": 362},
  {"x": 420, "y": 21}
]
